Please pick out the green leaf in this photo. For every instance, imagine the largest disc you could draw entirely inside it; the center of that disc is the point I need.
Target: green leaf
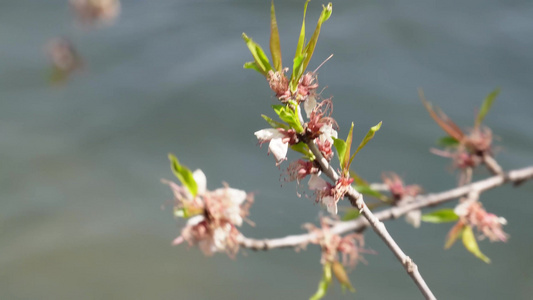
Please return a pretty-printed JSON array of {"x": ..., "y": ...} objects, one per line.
[
  {"x": 469, "y": 240},
  {"x": 440, "y": 216},
  {"x": 448, "y": 141},
  {"x": 275, "y": 48},
  {"x": 345, "y": 166},
  {"x": 274, "y": 124},
  {"x": 289, "y": 116},
  {"x": 261, "y": 60},
  {"x": 357, "y": 179},
  {"x": 454, "y": 234},
  {"x": 367, "y": 139},
  {"x": 297, "y": 72},
  {"x": 342, "y": 277},
  {"x": 323, "y": 284},
  {"x": 301, "y": 39},
  {"x": 183, "y": 174},
  {"x": 340, "y": 145},
  {"x": 485, "y": 107},
  {"x": 367, "y": 190},
  {"x": 310, "y": 48},
  {"x": 252, "y": 65},
  {"x": 304, "y": 149},
  {"x": 351, "y": 214}
]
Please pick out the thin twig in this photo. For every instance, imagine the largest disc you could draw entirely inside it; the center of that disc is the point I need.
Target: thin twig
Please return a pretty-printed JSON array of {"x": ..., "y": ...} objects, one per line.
[
  {"x": 422, "y": 201},
  {"x": 356, "y": 199},
  {"x": 516, "y": 177}
]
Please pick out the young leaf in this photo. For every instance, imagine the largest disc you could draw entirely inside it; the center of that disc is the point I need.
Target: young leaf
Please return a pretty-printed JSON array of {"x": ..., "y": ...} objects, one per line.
[
  {"x": 275, "y": 48},
  {"x": 447, "y": 141},
  {"x": 440, "y": 216},
  {"x": 289, "y": 116},
  {"x": 310, "y": 48},
  {"x": 183, "y": 174},
  {"x": 342, "y": 277},
  {"x": 351, "y": 214},
  {"x": 252, "y": 65},
  {"x": 370, "y": 135},
  {"x": 340, "y": 145},
  {"x": 297, "y": 71},
  {"x": 274, "y": 124},
  {"x": 454, "y": 234},
  {"x": 358, "y": 179},
  {"x": 367, "y": 190},
  {"x": 485, "y": 107},
  {"x": 261, "y": 60},
  {"x": 442, "y": 119},
  {"x": 301, "y": 39},
  {"x": 345, "y": 166},
  {"x": 304, "y": 149},
  {"x": 323, "y": 284},
  {"x": 469, "y": 240}
]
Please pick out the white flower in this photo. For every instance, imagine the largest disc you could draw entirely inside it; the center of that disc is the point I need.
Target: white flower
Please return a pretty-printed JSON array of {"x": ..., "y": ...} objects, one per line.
[
  {"x": 327, "y": 132},
  {"x": 276, "y": 146},
  {"x": 235, "y": 198}
]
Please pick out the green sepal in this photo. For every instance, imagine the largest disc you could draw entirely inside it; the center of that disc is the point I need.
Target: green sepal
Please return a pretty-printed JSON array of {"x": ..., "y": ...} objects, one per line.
[
  {"x": 323, "y": 284},
  {"x": 485, "y": 107},
  {"x": 274, "y": 124},
  {"x": 440, "y": 216},
  {"x": 275, "y": 48},
  {"x": 303, "y": 149},
  {"x": 260, "y": 58},
  {"x": 469, "y": 240},
  {"x": 367, "y": 139},
  {"x": 310, "y": 48},
  {"x": 289, "y": 116},
  {"x": 183, "y": 174},
  {"x": 447, "y": 141}
]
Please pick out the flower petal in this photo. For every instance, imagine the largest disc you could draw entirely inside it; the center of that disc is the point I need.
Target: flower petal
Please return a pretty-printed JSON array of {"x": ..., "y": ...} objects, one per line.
[
  {"x": 330, "y": 204},
  {"x": 201, "y": 181},
  {"x": 316, "y": 182},
  {"x": 309, "y": 105},
  {"x": 279, "y": 149},
  {"x": 265, "y": 135}
]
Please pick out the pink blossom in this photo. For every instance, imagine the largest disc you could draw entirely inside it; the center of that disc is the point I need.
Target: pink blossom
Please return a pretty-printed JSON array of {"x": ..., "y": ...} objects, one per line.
[
  {"x": 487, "y": 224},
  {"x": 95, "y": 11},
  {"x": 349, "y": 247}
]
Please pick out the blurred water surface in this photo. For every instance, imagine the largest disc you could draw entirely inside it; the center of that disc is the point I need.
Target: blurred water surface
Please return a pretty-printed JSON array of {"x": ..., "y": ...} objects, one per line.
[{"x": 80, "y": 196}]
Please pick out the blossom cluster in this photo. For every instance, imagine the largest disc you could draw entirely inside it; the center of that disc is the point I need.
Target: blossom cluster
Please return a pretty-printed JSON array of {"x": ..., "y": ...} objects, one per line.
[
  {"x": 467, "y": 151},
  {"x": 213, "y": 216},
  {"x": 488, "y": 225}
]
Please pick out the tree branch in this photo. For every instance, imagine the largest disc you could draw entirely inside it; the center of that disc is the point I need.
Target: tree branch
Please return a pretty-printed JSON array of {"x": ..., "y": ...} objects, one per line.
[
  {"x": 356, "y": 199},
  {"x": 516, "y": 177}
]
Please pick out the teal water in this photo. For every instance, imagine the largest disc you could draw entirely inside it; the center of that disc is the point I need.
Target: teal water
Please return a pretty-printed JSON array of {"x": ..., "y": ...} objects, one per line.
[{"x": 80, "y": 166}]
